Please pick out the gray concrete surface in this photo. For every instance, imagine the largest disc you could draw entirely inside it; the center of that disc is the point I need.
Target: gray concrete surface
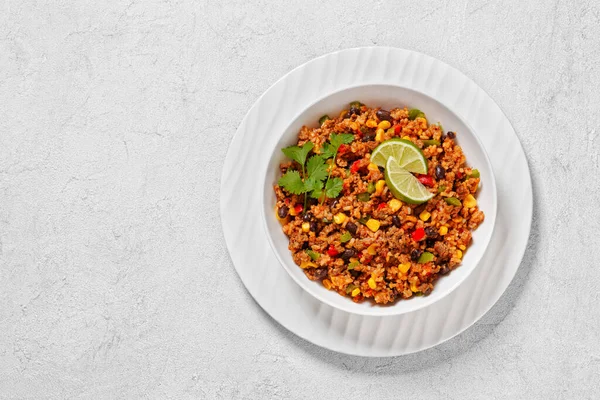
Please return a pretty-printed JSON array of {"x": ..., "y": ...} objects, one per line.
[{"x": 114, "y": 122}]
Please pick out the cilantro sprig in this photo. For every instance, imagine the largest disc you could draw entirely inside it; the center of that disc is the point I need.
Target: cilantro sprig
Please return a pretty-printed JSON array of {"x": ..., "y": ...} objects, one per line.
[{"x": 315, "y": 178}]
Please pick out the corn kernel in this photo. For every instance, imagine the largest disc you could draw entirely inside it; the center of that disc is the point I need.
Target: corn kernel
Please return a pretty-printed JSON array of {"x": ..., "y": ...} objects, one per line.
[
  {"x": 372, "y": 167},
  {"x": 458, "y": 219},
  {"x": 373, "y": 224},
  {"x": 372, "y": 249},
  {"x": 443, "y": 230},
  {"x": 305, "y": 227},
  {"x": 371, "y": 123},
  {"x": 395, "y": 204},
  {"x": 327, "y": 284},
  {"x": 353, "y": 126},
  {"x": 308, "y": 264},
  {"x": 384, "y": 125},
  {"x": 355, "y": 292},
  {"x": 371, "y": 283},
  {"x": 379, "y": 134},
  {"x": 462, "y": 247},
  {"x": 406, "y": 137},
  {"x": 413, "y": 288},
  {"x": 470, "y": 201},
  {"x": 458, "y": 254},
  {"x": 379, "y": 186},
  {"x": 339, "y": 218},
  {"x": 343, "y": 113},
  {"x": 425, "y": 215},
  {"x": 293, "y": 212},
  {"x": 404, "y": 267}
]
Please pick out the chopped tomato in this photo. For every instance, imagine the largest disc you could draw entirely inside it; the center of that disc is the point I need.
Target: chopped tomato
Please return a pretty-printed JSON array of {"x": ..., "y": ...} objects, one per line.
[
  {"x": 355, "y": 166},
  {"x": 397, "y": 129},
  {"x": 343, "y": 148},
  {"x": 331, "y": 251},
  {"x": 298, "y": 208},
  {"x": 381, "y": 206}
]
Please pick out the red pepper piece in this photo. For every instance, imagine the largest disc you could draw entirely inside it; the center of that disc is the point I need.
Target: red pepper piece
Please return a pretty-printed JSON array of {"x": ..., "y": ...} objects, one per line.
[
  {"x": 381, "y": 206},
  {"x": 426, "y": 180},
  {"x": 298, "y": 208},
  {"x": 343, "y": 148},
  {"x": 355, "y": 166},
  {"x": 331, "y": 251},
  {"x": 418, "y": 234},
  {"x": 397, "y": 129}
]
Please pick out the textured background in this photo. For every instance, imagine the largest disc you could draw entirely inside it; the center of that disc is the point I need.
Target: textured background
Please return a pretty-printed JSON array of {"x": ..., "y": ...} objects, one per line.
[{"x": 114, "y": 123}]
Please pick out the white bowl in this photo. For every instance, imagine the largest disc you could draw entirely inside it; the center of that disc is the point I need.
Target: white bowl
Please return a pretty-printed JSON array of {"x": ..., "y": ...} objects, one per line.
[{"x": 387, "y": 97}]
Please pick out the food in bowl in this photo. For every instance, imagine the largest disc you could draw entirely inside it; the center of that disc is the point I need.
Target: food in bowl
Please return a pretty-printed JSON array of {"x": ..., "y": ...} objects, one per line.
[{"x": 377, "y": 204}]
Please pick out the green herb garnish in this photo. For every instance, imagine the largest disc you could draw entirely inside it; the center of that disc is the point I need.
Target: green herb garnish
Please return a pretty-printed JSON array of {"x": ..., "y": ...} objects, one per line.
[{"x": 333, "y": 186}]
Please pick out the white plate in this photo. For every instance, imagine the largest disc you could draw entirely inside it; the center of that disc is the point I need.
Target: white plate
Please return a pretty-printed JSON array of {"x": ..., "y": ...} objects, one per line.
[{"x": 268, "y": 282}]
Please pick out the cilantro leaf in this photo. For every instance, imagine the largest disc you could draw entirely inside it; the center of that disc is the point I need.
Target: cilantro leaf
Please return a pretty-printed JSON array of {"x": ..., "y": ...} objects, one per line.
[
  {"x": 338, "y": 140},
  {"x": 292, "y": 182},
  {"x": 327, "y": 151},
  {"x": 298, "y": 153},
  {"x": 316, "y": 168},
  {"x": 317, "y": 193},
  {"x": 333, "y": 187},
  {"x": 312, "y": 184}
]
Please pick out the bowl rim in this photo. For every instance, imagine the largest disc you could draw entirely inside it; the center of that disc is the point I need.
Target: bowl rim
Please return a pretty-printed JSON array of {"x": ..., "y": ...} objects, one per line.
[{"x": 381, "y": 310}]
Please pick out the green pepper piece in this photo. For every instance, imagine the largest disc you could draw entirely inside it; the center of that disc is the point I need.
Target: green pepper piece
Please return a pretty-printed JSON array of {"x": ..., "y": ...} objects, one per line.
[
  {"x": 363, "y": 197},
  {"x": 431, "y": 142},
  {"x": 453, "y": 201},
  {"x": 441, "y": 188},
  {"x": 475, "y": 174},
  {"x": 353, "y": 265},
  {"x": 356, "y": 103},
  {"x": 346, "y": 236},
  {"x": 323, "y": 119},
  {"x": 415, "y": 113},
  {"x": 371, "y": 187},
  {"x": 350, "y": 288},
  {"x": 425, "y": 257},
  {"x": 313, "y": 255}
]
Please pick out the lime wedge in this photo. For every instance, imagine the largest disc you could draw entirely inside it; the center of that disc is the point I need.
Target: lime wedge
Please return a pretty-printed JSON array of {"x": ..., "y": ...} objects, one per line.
[
  {"x": 409, "y": 156},
  {"x": 405, "y": 185}
]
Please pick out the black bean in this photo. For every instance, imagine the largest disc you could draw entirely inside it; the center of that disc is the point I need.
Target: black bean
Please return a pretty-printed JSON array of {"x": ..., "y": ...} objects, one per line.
[
  {"x": 429, "y": 242},
  {"x": 334, "y": 203},
  {"x": 427, "y": 290},
  {"x": 440, "y": 172},
  {"x": 352, "y": 228},
  {"x": 348, "y": 254},
  {"x": 396, "y": 221},
  {"x": 431, "y": 232},
  {"x": 308, "y": 216},
  {"x": 384, "y": 115},
  {"x": 415, "y": 254},
  {"x": 304, "y": 245},
  {"x": 368, "y": 137},
  {"x": 313, "y": 226},
  {"x": 451, "y": 135},
  {"x": 444, "y": 269},
  {"x": 354, "y": 110},
  {"x": 320, "y": 273},
  {"x": 419, "y": 209},
  {"x": 313, "y": 202},
  {"x": 283, "y": 212}
]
